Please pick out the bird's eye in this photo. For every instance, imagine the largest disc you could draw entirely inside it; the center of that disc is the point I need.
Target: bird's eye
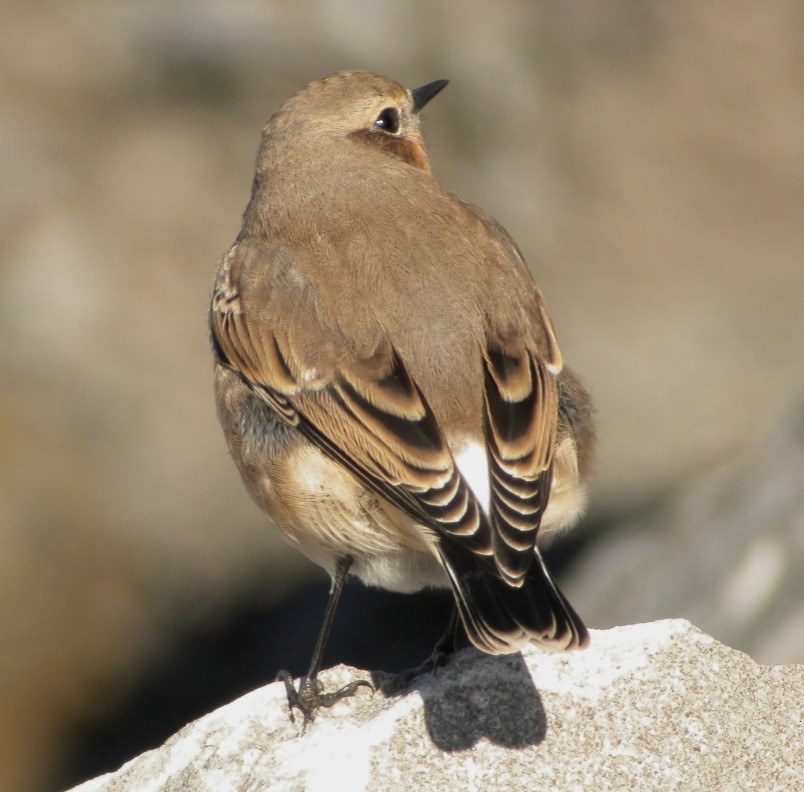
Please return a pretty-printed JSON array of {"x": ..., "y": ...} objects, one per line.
[{"x": 388, "y": 121}]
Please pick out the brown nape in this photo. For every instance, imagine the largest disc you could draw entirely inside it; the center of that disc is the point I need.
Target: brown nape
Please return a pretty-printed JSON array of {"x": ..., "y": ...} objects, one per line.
[{"x": 405, "y": 149}]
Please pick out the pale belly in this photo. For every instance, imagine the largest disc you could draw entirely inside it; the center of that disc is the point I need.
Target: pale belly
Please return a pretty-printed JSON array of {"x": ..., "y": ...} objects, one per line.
[{"x": 325, "y": 513}]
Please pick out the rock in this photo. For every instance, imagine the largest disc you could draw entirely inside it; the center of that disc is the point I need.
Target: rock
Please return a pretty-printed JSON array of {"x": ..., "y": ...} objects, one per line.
[{"x": 650, "y": 707}]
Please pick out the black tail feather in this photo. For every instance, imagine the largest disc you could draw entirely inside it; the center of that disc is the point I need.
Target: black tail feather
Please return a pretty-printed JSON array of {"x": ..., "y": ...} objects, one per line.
[{"x": 501, "y": 618}]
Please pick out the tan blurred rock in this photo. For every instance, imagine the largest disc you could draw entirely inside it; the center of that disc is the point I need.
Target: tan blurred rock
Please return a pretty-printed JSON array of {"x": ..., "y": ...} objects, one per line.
[{"x": 726, "y": 550}]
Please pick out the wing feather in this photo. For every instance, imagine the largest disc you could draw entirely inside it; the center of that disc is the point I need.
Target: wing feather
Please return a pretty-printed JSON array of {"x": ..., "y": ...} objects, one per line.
[
  {"x": 367, "y": 413},
  {"x": 520, "y": 408}
]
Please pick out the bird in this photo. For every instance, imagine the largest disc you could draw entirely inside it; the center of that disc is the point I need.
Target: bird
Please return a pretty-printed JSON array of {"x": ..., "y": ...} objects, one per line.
[{"x": 388, "y": 378}]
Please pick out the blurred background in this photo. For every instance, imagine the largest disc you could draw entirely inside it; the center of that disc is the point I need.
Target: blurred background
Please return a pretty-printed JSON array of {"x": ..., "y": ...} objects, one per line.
[{"x": 646, "y": 156}]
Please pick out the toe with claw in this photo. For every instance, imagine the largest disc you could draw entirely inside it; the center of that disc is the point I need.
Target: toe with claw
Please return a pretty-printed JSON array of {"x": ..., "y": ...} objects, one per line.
[{"x": 310, "y": 696}]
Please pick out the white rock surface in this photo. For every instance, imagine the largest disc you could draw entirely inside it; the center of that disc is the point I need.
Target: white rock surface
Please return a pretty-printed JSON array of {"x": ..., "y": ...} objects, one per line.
[{"x": 657, "y": 706}]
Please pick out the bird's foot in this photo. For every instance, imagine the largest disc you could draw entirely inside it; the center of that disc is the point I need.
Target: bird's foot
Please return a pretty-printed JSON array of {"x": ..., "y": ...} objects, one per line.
[
  {"x": 310, "y": 697},
  {"x": 395, "y": 684}
]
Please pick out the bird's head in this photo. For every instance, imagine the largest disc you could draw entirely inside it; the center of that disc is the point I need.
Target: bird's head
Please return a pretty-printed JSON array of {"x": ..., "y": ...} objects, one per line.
[{"x": 349, "y": 109}]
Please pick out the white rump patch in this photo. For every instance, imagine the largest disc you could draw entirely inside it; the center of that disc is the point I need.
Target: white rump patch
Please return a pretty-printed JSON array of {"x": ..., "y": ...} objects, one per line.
[{"x": 474, "y": 466}]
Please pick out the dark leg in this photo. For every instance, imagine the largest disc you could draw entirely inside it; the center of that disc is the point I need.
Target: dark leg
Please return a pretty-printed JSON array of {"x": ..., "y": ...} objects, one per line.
[
  {"x": 310, "y": 695},
  {"x": 394, "y": 684}
]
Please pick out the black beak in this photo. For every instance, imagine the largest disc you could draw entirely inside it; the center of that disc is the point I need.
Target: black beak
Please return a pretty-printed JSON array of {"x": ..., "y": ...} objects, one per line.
[{"x": 421, "y": 96}]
